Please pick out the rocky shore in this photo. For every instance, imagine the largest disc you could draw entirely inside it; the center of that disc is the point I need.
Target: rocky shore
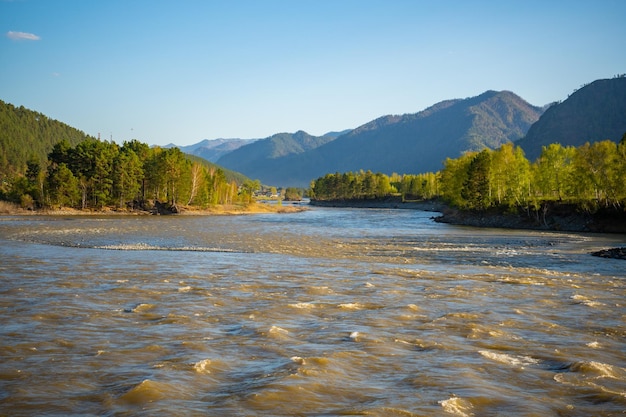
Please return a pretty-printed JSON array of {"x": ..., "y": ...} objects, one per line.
[
  {"x": 614, "y": 253},
  {"x": 565, "y": 218}
]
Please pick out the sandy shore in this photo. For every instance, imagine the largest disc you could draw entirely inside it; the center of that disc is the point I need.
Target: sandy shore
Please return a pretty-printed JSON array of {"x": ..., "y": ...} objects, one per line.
[{"x": 8, "y": 209}]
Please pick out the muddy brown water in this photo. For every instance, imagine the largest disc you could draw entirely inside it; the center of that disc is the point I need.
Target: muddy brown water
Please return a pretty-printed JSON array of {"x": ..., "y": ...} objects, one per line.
[{"x": 328, "y": 312}]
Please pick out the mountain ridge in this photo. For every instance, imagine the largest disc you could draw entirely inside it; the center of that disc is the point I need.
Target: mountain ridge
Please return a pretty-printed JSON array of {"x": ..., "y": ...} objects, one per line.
[
  {"x": 256, "y": 158},
  {"x": 213, "y": 149},
  {"x": 594, "y": 112},
  {"x": 408, "y": 143}
]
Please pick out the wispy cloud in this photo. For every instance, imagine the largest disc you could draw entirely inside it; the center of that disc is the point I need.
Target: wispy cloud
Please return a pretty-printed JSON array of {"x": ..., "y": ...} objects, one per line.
[{"x": 22, "y": 36}]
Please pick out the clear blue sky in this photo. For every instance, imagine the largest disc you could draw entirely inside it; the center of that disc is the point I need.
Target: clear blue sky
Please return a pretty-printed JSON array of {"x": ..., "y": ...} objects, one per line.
[{"x": 182, "y": 71}]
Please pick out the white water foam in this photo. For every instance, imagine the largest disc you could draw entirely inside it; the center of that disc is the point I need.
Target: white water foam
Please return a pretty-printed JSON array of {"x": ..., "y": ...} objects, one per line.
[
  {"x": 351, "y": 306},
  {"x": 147, "y": 247},
  {"x": 203, "y": 366},
  {"x": 581, "y": 299},
  {"x": 457, "y": 406},
  {"x": 304, "y": 306},
  {"x": 513, "y": 360}
]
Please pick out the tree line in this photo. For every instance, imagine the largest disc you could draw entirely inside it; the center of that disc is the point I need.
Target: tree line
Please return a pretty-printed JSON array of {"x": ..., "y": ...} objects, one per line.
[
  {"x": 591, "y": 176},
  {"x": 94, "y": 174}
]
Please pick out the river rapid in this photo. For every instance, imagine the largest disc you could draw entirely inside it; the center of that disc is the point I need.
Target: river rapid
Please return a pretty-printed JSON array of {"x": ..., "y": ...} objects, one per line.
[{"x": 327, "y": 312}]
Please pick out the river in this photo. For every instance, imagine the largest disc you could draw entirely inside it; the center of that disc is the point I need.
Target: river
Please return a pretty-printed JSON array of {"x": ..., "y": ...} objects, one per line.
[{"x": 327, "y": 312}]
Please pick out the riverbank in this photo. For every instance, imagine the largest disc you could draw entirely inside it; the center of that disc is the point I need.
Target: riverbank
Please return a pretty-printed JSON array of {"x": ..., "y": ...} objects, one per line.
[
  {"x": 384, "y": 203},
  {"x": 555, "y": 217},
  {"x": 224, "y": 210}
]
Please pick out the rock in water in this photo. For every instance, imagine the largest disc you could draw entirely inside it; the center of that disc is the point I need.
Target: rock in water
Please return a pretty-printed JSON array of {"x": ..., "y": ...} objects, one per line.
[{"x": 614, "y": 253}]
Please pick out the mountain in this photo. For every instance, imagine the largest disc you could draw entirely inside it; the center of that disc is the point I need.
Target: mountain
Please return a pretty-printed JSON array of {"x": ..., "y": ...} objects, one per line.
[
  {"x": 410, "y": 143},
  {"x": 259, "y": 157},
  {"x": 593, "y": 113},
  {"x": 335, "y": 135},
  {"x": 214, "y": 149}
]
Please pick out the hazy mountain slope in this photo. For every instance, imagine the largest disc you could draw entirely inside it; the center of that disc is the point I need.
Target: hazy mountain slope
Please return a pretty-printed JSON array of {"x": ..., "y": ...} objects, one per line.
[
  {"x": 410, "y": 143},
  {"x": 214, "y": 149},
  {"x": 255, "y": 159},
  {"x": 595, "y": 112},
  {"x": 335, "y": 135}
]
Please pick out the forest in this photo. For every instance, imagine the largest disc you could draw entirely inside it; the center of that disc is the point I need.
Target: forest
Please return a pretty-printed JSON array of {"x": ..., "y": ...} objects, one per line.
[
  {"x": 94, "y": 174},
  {"x": 590, "y": 176}
]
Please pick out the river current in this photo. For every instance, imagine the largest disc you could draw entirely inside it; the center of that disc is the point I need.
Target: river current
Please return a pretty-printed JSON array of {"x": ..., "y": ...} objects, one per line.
[{"x": 327, "y": 312}]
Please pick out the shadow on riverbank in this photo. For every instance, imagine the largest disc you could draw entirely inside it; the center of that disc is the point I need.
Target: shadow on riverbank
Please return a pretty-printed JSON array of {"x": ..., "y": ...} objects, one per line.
[{"x": 555, "y": 217}]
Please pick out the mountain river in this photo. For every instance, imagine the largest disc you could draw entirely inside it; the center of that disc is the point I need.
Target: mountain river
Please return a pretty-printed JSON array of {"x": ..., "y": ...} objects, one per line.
[{"x": 327, "y": 312}]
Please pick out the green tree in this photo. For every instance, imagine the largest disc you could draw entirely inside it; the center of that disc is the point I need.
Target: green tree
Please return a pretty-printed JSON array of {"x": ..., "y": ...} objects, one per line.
[
  {"x": 476, "y": 190},
  {"x": 553, "y": 170},
  {"x": 596, "y": 174},
  {"x": 453, "y": 177},
  {"x": 127, "y": 176},
  {"x": 383, "y": 186},
  {"x": 510, "y": 176},
  {"x": 293, "y": 194},
  {"x": 60, "y": 153},
  {"x": 62, "y": 186}
]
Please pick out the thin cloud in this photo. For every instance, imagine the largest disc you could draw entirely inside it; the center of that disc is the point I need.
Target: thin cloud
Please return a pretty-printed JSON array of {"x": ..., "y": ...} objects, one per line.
[{"x": 22, "y": 36}]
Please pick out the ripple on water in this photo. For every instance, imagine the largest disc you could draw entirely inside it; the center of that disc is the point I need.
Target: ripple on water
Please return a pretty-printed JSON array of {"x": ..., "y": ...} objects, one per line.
[{"x": 387, "y": 321}]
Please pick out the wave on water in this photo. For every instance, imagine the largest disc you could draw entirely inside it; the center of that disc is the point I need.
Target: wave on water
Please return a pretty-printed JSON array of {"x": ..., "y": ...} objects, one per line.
[
  {"x": 513, "y": 360},
  {"x": 457, "y": 406},
  {"x": 147, "y": 247},
  {"x": 581, "y": 299},
  {"x": 303, "y": 305},
  {"x": 601, "y": 377},
  {"x": 149, "y": 391},
  {"x": 203, "y": 366}
]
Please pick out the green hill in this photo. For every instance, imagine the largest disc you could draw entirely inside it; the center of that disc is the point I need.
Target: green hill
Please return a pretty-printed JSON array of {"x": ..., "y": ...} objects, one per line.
[{"x": 25, "y": 134}]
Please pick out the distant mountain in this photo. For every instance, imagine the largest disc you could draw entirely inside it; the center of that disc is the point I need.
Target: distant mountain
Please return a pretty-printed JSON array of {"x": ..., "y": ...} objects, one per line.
[
  {"x": 410, "y": 143},
  {"x": 256, "y": 159},
  {"x": 214, "y": 149},
  {"x": 593, "y": 113},
  {"x": 335, "y": 135}
]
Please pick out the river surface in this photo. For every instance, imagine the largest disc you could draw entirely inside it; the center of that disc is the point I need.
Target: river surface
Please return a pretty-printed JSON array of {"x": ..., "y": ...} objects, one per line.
[{"x": 328, "y": 312}]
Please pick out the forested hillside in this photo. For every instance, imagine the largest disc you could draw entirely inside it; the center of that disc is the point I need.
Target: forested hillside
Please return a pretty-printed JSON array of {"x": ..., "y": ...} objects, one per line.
[
  {"x": 46, "y": 163},
  {"x": 26, "y": 135},
  {"x": 410, "y": 143},
  {"x": 593, "y": 113}
]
